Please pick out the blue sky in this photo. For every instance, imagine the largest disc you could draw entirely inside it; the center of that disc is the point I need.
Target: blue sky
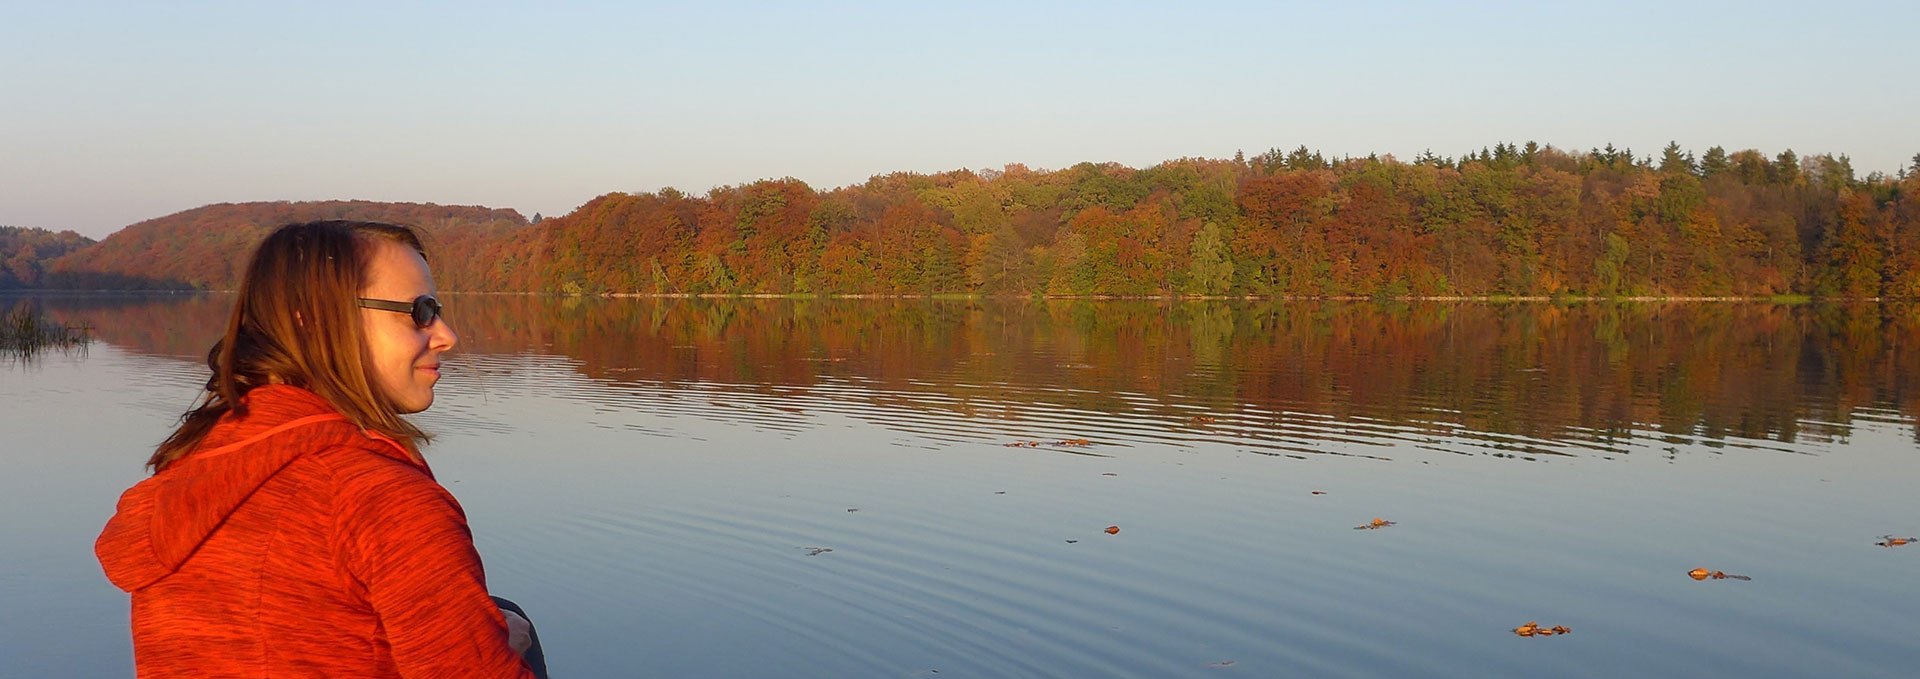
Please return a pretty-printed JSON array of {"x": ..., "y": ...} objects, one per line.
[{"x": 115, "y": 112}]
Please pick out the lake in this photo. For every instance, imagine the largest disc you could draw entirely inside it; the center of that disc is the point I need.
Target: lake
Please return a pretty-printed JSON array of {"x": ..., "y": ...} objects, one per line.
[{"x": 920, "y": 488}]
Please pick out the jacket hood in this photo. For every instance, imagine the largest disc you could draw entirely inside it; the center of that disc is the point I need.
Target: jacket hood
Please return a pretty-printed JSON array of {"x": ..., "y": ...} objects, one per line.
[{"x": 163, "y": 520}]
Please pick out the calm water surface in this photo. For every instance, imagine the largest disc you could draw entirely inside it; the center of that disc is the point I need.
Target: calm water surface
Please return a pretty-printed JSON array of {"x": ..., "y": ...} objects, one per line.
[{"x": 653, "y": 479}]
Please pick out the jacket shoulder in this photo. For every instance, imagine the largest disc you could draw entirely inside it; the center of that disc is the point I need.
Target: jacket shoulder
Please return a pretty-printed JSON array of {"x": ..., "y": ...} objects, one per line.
[
  {"x": 360, "y": 459},
  {"x": 369, "y": 475}
]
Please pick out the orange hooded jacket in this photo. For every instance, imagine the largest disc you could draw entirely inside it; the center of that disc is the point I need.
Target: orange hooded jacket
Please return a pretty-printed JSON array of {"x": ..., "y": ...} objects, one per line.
[{"x": 290, "y": 543}]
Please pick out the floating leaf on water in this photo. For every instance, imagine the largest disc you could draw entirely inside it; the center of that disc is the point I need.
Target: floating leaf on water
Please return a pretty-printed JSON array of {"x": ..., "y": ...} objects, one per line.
[
  {"x": 1376, "y": 523},
  {"x": 1072, "y": 541},
  {"x": 1319, "y": 492},
  {"x": 1071, "y": 443},
  {"x": 1109, "y": 474},
  {"x": 1533, "y": 629},
  {"x": 851, "y": 510},
  {"x": 1201, "y": 419},
  {"x": 1222, "y": 663},
  {"x": 1113, "y": 530},
  {"x": 1891, "y": 541},
  {"x": 816, "y": 551},
  {"x": 1704, "y": 574},
  {"x": 1022, "y": 444}
]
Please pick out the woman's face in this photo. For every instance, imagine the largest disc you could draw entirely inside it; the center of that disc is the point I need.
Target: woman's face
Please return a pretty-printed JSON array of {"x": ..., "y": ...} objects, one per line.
[{"x": 403, "y": 359}]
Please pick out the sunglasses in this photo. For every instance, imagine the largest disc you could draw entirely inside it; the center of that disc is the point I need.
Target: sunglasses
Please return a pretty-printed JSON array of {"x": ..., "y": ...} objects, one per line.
[{"x": 424, "y": 309}]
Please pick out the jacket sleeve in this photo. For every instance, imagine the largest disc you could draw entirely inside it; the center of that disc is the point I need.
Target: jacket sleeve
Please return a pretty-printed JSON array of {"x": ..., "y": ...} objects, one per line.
[{"x": 405, "y": 539}]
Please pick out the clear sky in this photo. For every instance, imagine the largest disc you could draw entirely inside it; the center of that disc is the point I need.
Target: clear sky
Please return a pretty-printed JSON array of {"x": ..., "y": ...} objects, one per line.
[{"x": 111, "y": 113}]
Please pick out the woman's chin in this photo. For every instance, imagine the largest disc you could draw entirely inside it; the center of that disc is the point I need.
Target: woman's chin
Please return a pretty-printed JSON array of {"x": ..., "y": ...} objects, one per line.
[{"x": 418, "y": 400}]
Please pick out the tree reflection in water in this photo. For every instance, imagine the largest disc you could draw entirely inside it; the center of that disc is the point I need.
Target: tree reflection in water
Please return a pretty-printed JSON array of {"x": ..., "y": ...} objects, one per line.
[{"x": 1526, "y": 378}]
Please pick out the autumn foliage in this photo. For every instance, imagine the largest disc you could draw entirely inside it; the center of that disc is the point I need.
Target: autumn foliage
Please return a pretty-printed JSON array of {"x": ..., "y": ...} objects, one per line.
[
  {"x": 1512, "y": 220},
  {"x": 25, "y": 252},
  {"x": 1508, "y": 221},
  {"x": 207, "y": 247}
]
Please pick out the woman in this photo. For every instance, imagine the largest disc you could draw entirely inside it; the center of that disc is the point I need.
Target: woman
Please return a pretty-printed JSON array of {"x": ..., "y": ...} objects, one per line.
[{"x": 290, "y": 527}]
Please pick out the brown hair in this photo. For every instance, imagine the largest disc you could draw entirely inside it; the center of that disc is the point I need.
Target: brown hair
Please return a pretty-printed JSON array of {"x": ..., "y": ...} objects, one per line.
[{"x": 296, "y": 321}]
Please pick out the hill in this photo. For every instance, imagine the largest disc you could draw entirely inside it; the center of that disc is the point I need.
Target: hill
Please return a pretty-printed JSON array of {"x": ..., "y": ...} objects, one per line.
[
  {"x": 25, "y": 252},
  {"x": 1526, "y": 220},
  {"x": 206, "y": 247}
]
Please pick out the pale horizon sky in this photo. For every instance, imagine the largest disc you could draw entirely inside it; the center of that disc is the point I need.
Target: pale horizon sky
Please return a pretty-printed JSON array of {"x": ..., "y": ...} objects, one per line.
[{"x": 112, "y": 113}]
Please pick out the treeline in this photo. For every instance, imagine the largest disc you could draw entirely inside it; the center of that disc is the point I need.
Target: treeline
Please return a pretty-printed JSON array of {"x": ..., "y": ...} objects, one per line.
[
  {"x": 207, "y": 247},
  {"x": 1509, "y": 220},
  {"x": 25, "y": 252},
  {"x": 1518, "y": 220}
]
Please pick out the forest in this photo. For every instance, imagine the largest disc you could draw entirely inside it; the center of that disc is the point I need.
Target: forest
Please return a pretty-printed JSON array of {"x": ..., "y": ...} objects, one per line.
[
  {"x": 24, "y": 253},
  {"x": 206, "y": 248},
  {"x": 1510, "y": 220}
]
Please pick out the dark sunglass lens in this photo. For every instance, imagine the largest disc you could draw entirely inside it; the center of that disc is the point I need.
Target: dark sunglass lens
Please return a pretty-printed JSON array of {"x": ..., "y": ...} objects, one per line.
[{"x": 425, "y": 309}]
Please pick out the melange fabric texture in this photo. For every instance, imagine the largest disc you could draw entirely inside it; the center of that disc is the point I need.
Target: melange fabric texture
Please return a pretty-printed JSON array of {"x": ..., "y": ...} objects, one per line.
[{"x": 290, "y": 543}]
